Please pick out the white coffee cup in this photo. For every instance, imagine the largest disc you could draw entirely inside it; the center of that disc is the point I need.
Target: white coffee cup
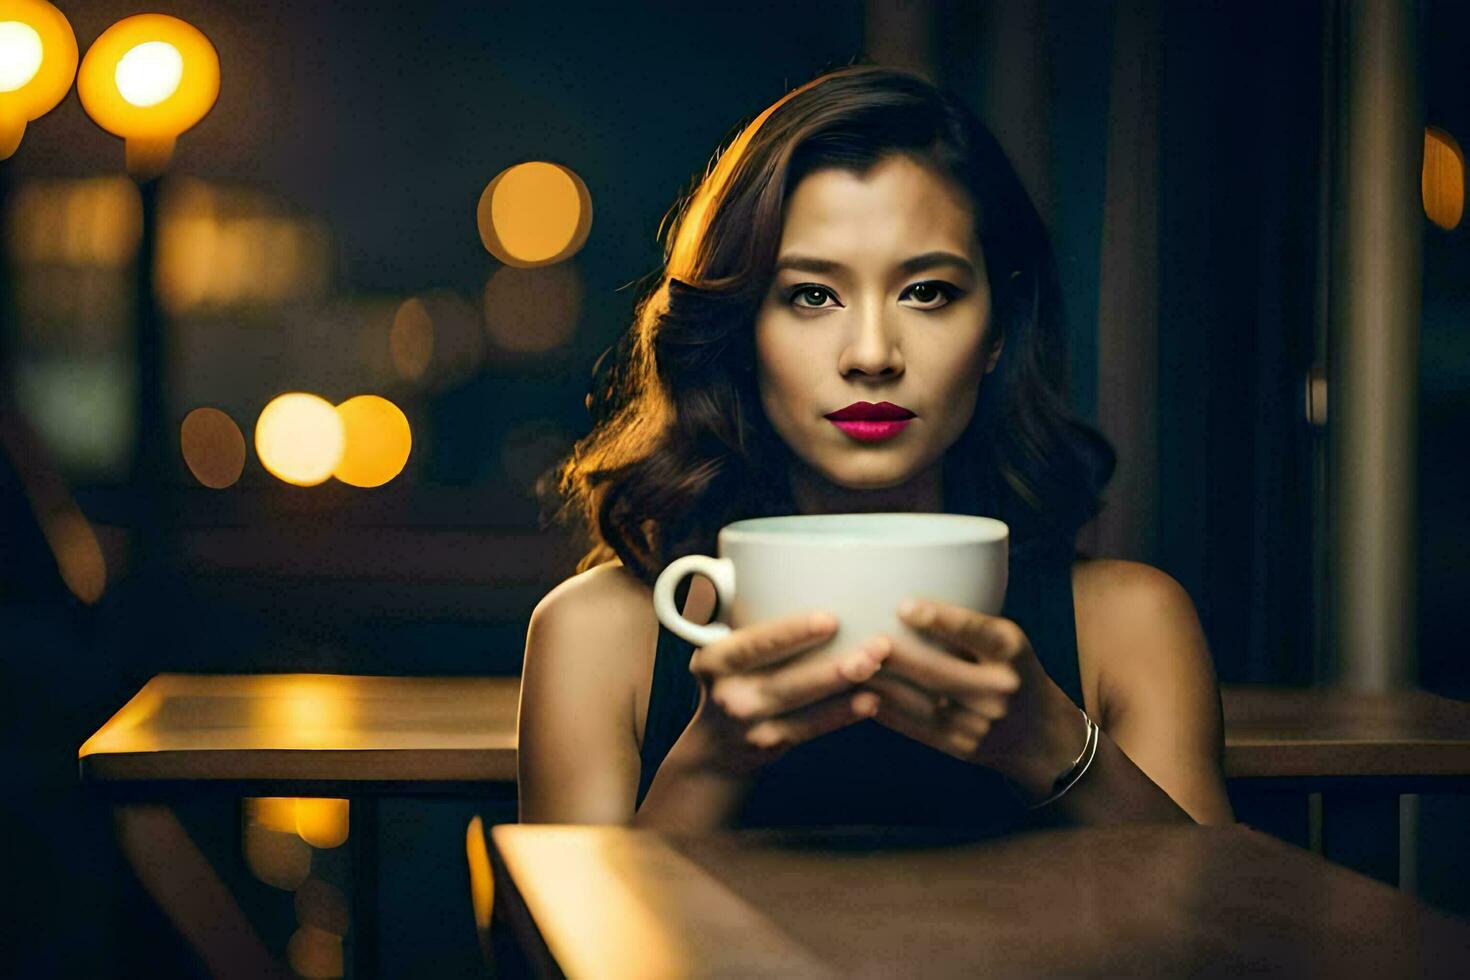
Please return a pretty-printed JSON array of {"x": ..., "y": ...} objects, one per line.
[{"x": 859, "y": 567}]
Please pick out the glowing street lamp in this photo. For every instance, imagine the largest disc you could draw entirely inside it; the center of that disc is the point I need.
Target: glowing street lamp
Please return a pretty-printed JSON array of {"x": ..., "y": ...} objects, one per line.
[
  {"x": 38, "y": 59},
  {"x": 149, "y": 78}
]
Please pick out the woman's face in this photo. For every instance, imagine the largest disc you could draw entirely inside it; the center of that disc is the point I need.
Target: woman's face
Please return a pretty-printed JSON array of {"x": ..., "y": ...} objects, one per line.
[{"x": 845, "y": 320}]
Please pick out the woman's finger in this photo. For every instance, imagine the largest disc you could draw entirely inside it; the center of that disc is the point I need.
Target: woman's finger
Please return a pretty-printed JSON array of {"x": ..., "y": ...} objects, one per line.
[
  {"x": 789, "y": 686},
  {"x": 923, "y": 710},
  {"x": 762, "y": 644},
  {"x": 940, "y": 672},
  {"x": 805, "y": 724},
  {"x": 979, "y": 636}
]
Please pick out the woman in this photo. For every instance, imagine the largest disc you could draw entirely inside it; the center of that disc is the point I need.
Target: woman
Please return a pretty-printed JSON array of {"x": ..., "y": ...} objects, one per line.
[{"x": 863, "y": 240}]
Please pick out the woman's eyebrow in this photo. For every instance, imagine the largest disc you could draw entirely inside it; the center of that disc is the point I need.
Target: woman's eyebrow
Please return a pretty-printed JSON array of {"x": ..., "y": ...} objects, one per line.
[{"x": 807, "y": 263}]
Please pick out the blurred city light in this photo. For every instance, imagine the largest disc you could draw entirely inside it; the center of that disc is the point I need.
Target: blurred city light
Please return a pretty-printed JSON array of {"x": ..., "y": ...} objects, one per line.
[
  {"x": 1442, "y": 181},
  {"x": 531, "y": 311},
  {"x": 20, "y": 54},
  {"x": 149, "y": 78},
  {"x": 213, "y": 447},
  {"x": 411, "y": 340},
  {"x": 149, "y": 73},
  {"x": 534, "y": 214},
  {"x": 459, "y": 339},
  {"x": 94, "y": 221},
  {"x": 378, "y": 441},
  {"x": 82, "y": 408},
  {"x": 225, "y": 248},
  {"x": 321, "y": 822},
  {"x": 300, "y": 438},
  {"x": 38, "y": 59}
]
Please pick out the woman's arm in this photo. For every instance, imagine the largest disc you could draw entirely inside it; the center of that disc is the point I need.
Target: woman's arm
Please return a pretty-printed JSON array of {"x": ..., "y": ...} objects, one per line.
[
  {"x": 971, "y": 686},
  {"x": 1159, "y": 754}
]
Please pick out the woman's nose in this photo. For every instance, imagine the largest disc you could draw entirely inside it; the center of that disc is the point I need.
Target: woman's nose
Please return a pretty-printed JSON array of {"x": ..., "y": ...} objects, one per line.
[{"x": 873, "y": 346}]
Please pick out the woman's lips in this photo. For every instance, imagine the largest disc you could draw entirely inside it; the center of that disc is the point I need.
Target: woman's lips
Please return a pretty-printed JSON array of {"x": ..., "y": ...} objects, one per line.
[{"x": 872, "y": 430}]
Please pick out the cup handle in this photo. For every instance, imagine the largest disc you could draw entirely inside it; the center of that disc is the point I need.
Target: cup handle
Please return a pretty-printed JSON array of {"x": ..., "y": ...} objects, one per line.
[{"x": 720, "y": 571}]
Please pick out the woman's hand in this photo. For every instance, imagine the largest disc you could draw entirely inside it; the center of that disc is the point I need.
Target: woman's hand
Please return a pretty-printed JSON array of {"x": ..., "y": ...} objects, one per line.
[
  {"x": 977, "y": 693},
  {"x": 759, "y": 699}
]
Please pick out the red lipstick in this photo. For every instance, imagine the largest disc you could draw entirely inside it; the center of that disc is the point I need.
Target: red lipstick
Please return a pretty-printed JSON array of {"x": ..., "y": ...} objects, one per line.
[{"x": 867, "y": 422}]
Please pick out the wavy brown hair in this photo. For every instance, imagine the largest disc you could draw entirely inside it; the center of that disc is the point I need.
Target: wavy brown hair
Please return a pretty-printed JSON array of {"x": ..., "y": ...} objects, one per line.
[{"x": 680, "y": 445}]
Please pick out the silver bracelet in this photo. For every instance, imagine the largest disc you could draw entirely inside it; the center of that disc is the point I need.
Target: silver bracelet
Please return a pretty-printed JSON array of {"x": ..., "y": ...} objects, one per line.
[{"x": 1069, "y": 778}]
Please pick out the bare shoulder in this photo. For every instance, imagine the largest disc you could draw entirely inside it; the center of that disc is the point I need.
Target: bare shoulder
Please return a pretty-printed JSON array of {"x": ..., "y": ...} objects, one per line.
[
  {"x": 608, "y": 593},
  {"x": 578, "y": 757},
  {"x": 1129, "y": 615},
  {"x": 1114, "y": 585},
  {"x": 602, "y": 617}
]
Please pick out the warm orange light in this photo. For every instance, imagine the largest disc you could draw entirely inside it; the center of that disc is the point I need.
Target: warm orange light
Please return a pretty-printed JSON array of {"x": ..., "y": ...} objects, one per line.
[
  {"x": 273, "y": 812},
  {"x": 213, "y": 447},
  {"x": 321, "y": 822},
  {"x": 531, "y": 311},
  {"x": 306, "y": 711},
  {"x": 482, "y": 880},
  {"x": 1442, "y": 181},
  {"x": 300, "y": 438},
  {"x": 38, "y": 59},
  {"x": 534, "y": 214},
  {"x": 149, "y": 78},
  {"x": 378, "y": 441}
]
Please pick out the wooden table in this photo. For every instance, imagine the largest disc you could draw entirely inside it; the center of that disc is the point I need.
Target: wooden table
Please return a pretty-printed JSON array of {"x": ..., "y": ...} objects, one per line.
[
  {"x": 298, "y": 735},
  {"x": 1132, "y": 900},
  {"x": 1326, "y": 768},
  {"x": 1286, "y": 752}
]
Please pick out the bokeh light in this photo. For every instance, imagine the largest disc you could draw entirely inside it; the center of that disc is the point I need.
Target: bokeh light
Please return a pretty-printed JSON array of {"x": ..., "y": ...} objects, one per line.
[
  {"x": 411, "y": 340},
  {"x": 321, "y": 822},
  {"x": 222, "y": 247},
  {"x": 458, "y": 350},
  {"x": 149, "y": 78},
  {"x": 78, "y": 554},
  {"x": 300, "y": 438},
  {"x": 314, "y": 952},
  {"x": 213, "y": 447},
  {"x": 378, "y": 441},
  {"x": 38, "y": 59},
  {"x": 534, "y": 214},
  {"x": 20, "y": 54},
  {"x": 531, "y": 311},
  {"x": 149, "y": 73},
  {"x": 1442, "y": 181}
]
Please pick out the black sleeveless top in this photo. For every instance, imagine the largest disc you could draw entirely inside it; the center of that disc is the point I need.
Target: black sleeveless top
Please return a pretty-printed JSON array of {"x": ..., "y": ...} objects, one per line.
[{"x": 866, "y": 773}]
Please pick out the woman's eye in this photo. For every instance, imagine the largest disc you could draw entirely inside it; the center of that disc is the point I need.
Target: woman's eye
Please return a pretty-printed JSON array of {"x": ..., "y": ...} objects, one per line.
[
  {"x": 809, "y": 292},
  {"x": 928, "y": 292}
]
